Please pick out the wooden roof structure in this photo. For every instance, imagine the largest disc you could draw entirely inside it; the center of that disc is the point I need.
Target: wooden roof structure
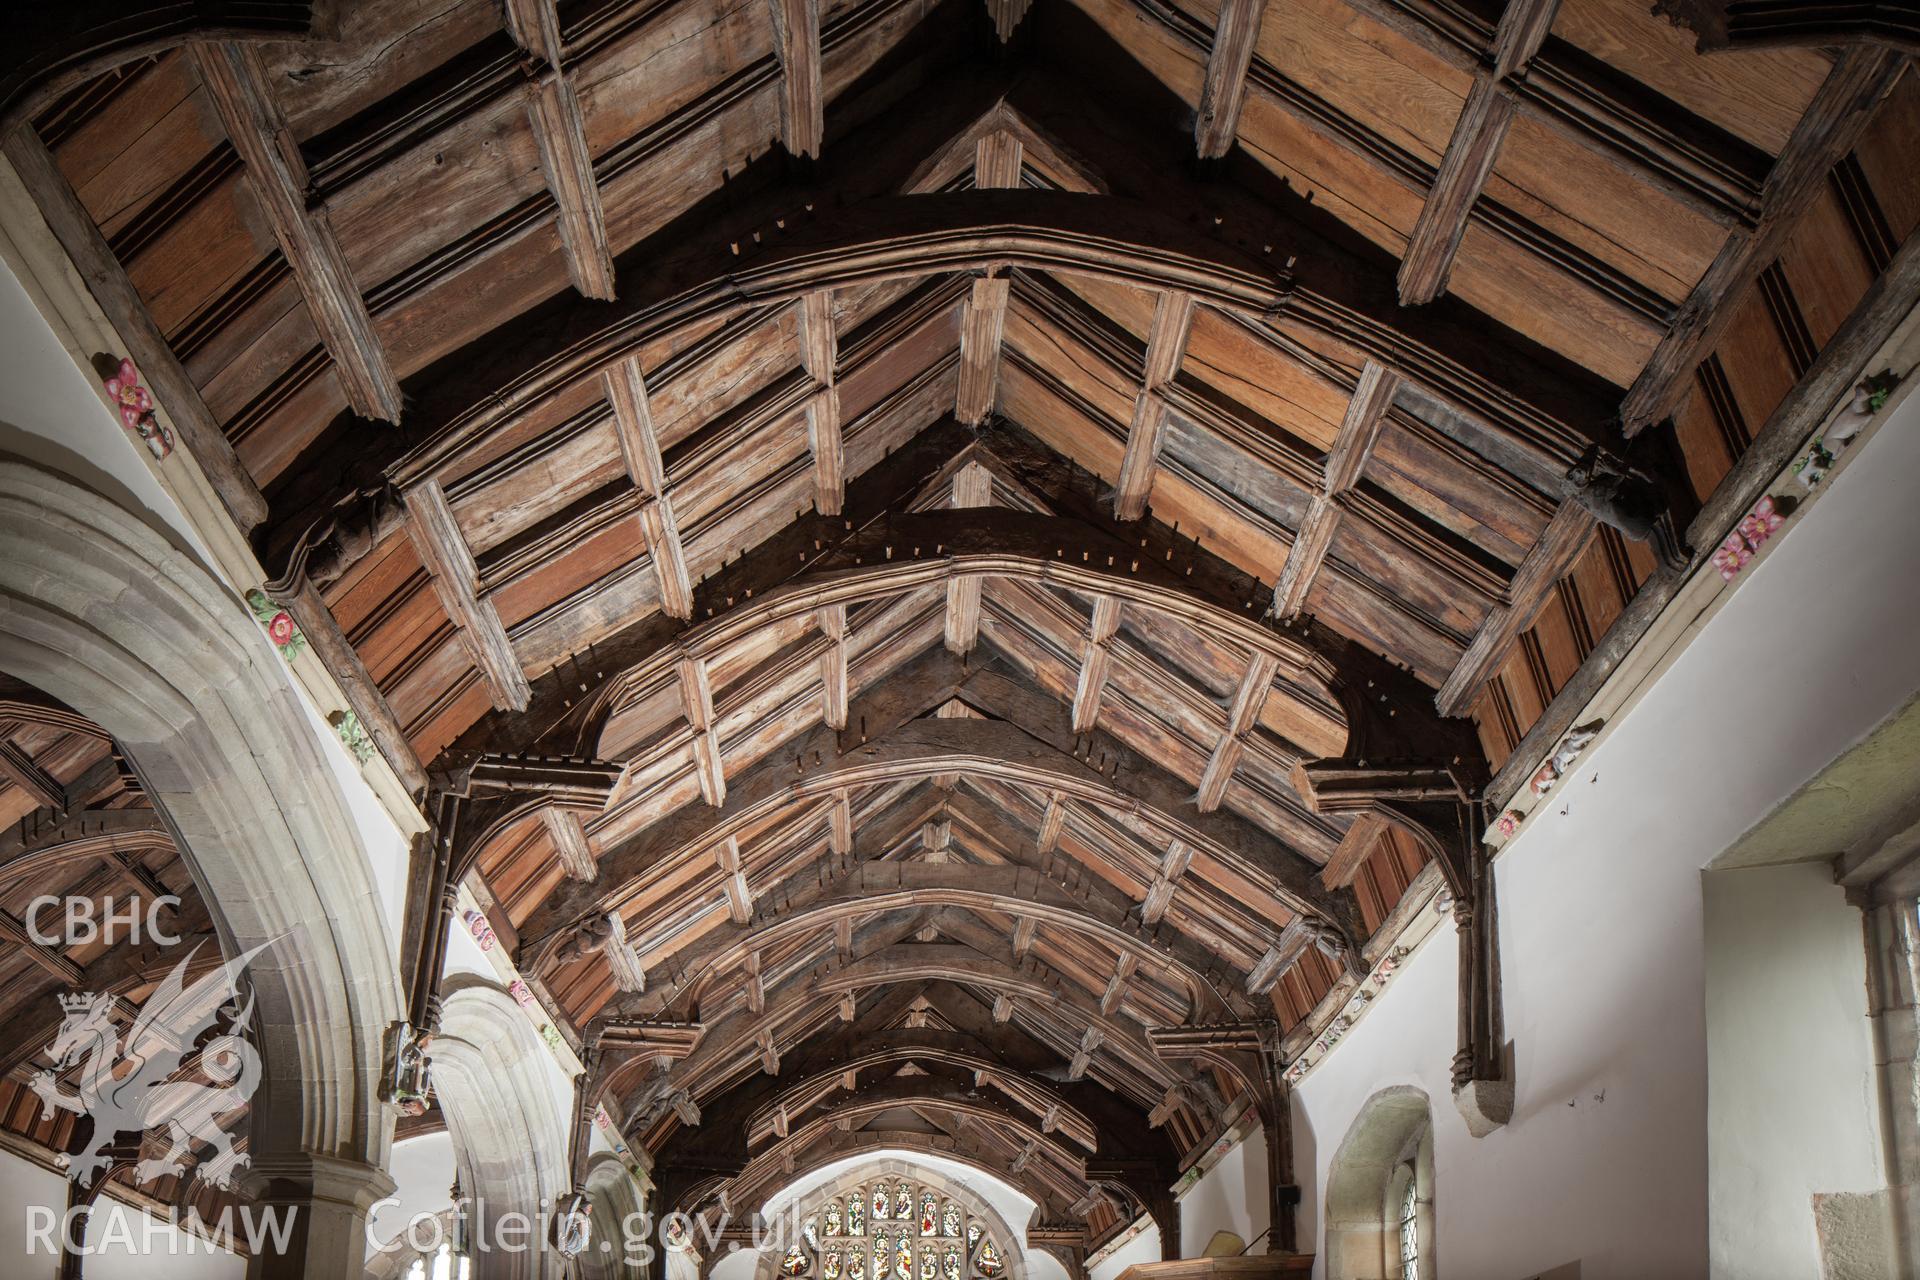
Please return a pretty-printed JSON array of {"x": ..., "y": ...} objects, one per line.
[
  {"x": 923, "y": 555},
  {"x": 79, "y": 829}
]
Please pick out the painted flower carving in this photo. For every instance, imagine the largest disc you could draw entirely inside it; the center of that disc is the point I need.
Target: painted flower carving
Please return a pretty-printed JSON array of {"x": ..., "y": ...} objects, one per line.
[
  {"x": 133, "y": 399},
  {"x": 1509, "y": 822},
  {"x": 521, "y": 992},
  {"x": 1731, "y": 556},
  {"x": 279, "y": 623},
  {"x": 135, "y": 404},
  {"x": 1758, "y": 524}
]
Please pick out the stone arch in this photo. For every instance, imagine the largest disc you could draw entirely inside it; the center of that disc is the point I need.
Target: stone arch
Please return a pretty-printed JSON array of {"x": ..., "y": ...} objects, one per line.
[
  {"x": 102, "y": 612},
  {"x": 613, "y": 1197},
  {"x": 1390, "y": 1141},
  {"x": 491, "y": 1074},
  {"x": 784, "y": 1205}
]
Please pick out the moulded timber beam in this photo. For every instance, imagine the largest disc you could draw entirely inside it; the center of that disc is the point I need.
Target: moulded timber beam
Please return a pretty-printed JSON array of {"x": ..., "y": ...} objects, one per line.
[
  {"x": 553, "y": 109},
  {"x": 1839, "y": 113},
  {"x": 1373, "y": 395},
  {"x": 972, "y": 487},
  {"x": 997, "y": 158},
  {"x": 626, "y": 391},
  {"x": 1224, "y": 90},
  {"x": 819, "y": 356},
  {"x": 1166, "y": 348},
  {"x": 1094, "y": 661},
  {"x": 928, "y": 748},
  {"x": 945, "y": 1049},
  {"x": 696, "y": 701},
  {"x": 237, "y": 85},
  {"x": 107, "y": 281},
  {"x": 1242, "y": 717},
  {"x": 1471, "y": 152},
  {"x": 833, "y": 667},
  {"x": 1478, "y": 133},
  {"x": 1166, "y": 880},
  {"x": 17, "y": 767},
  {"x": 1007, "y": 16},
  {"x": 981, "y": 329},
  {"x": 1561, "y": 545},
  {"x": 796, "y": 29},
  {"x": 569, "y": 840},
  {"x": 456, "y": 580},
  {"x": 799, "y": 998}
]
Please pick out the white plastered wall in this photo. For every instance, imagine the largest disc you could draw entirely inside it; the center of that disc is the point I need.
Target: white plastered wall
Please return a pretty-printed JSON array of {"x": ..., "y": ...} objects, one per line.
[
  {"x": 1601, "y": 921},
  {"x": 1792, "y": 1105}
]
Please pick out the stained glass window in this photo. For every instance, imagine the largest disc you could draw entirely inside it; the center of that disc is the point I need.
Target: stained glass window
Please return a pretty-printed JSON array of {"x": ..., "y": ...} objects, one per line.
[
  {"x": 916, "y": 1234},
  {"x": 1410, "y": 1230}
]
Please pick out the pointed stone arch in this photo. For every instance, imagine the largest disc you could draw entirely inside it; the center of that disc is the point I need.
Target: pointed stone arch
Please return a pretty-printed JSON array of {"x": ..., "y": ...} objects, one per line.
[{"x": 105, "y": 614}]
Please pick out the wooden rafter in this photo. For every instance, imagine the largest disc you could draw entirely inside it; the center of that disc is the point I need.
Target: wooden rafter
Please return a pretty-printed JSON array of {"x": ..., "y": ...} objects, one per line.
[
  {"x": 1166, "y": 347},
  {"x": 1224, "y": 91},
  {"x": 1242, "y": 717},
  {"x": 626, "y": 391},
  {"x": 236, "y": 82},
  {"x": 1093, "y": 662},
  {"x": 796, "y": 27},
  {"x": 456, "y": 580},
  {"x": 558, "y": 127},
  {"x": 819, "y": 356},
  {"x": 1353, "y": 446}
]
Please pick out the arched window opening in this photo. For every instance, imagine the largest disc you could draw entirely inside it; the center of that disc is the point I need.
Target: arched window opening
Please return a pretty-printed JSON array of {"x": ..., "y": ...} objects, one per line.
[
  {"x": 1380, "y": 1194},
  {"x": 894, "y": 1226}
]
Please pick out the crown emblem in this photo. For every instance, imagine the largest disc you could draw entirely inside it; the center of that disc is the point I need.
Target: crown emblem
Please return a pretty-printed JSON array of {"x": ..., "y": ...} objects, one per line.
[{"x": 78, "y": 1002}]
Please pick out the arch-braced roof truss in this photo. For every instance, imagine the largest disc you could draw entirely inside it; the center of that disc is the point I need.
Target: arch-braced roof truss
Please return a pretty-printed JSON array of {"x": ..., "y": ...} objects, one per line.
[{"x": 978, "y": 566}]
